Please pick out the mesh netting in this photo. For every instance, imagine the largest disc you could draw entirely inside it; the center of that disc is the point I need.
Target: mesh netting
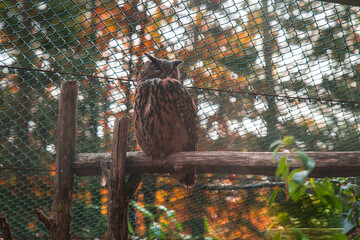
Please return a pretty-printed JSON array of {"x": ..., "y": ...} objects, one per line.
[{"x": 258, "y": 70}]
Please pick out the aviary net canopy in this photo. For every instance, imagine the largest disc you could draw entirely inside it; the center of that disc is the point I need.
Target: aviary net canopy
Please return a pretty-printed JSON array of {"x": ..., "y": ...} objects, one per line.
[{"x": 258, "y": 70}]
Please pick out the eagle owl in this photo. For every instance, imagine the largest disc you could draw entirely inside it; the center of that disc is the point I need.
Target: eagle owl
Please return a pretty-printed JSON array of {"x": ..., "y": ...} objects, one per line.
[{"x": 165, "y": 114}]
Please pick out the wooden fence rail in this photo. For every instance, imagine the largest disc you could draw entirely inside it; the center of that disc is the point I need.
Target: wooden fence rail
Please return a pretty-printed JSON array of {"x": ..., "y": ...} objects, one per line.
[{"x": 328, "y": 164}]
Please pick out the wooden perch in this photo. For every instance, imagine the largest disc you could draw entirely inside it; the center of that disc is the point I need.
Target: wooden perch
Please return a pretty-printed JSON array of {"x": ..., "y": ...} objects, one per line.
[
  {"x": 328, "y": 164},
  {"x": 5, "y": 228}
]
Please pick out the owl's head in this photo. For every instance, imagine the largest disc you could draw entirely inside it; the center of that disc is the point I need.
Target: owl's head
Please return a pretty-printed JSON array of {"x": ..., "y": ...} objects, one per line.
[{"x": 159, "y": 68}]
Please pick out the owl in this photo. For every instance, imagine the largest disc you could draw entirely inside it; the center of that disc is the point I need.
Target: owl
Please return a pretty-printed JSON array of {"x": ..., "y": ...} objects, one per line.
[{"x": 165, "y": 114}]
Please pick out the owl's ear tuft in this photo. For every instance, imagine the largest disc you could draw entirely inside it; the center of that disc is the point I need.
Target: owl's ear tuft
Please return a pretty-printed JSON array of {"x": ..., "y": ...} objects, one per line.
[
  {"x": 177, "y": 63},
  {"x": 151, "y": 57},
  {"x": 154, "y": 60}
]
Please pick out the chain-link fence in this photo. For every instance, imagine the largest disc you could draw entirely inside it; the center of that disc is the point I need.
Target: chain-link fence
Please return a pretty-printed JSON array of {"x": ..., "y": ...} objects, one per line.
[{"x": 257, "y": 69}]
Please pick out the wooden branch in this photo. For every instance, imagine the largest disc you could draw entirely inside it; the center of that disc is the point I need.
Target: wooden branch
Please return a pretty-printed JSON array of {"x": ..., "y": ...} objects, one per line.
[
  {"x": 4, "y": 226},
  {"x": 132, "y": 184},
  {"x": 328, "y": 164},
  {"x": 345, "y": 2},
  {"x": 48, "y": 222},
  {"x": 118, "y": 200},
  {"x": 65, "y": 153}
]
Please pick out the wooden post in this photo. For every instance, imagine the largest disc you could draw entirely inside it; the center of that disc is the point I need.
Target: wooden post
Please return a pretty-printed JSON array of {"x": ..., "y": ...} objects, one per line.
[
  {"x": 119, "y": 197},
  {"x": 58, "y": 224},
  {"x": 4, "y": 226},
  {"x": 65, "y": 153}
]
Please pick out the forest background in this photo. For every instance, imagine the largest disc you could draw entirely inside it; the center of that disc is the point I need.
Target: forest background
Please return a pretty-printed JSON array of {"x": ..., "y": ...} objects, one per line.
[{"x": 258, "y": 70}]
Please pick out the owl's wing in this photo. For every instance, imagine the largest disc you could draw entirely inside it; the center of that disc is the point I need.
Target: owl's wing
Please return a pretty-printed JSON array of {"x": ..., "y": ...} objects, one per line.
[
  {"x": 186, "y": 110},
  {"x": 185, "y": 107}
]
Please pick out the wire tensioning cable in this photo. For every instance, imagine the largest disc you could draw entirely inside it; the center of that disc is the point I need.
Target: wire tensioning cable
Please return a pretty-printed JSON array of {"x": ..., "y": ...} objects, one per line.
[{"x": 290, "y": 98}]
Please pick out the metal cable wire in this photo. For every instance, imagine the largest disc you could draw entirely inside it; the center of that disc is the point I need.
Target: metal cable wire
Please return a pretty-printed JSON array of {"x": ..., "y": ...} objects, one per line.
[
  {"x": 278, "y": 97},
  {"x": 258, "y": 70}
]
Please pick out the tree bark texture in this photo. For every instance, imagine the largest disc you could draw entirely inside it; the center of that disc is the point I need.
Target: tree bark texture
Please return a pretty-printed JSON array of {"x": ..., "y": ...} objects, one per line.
[
  {"x": 65, "y": 153},
  {"x": 118, "y": 200}
]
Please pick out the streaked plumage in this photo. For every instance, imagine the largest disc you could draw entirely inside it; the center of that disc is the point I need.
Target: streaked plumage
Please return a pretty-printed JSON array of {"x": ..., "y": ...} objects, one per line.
[{"x": 165, "y": 114}]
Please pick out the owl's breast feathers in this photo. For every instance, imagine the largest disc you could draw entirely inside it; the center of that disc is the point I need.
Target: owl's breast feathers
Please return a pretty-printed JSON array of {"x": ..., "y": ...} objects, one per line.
[{"x": 165, "y": 118}]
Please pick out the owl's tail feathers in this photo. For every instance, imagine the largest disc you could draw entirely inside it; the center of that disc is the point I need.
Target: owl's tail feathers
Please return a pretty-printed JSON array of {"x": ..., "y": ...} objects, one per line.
[{"x": 188, "y": 180}]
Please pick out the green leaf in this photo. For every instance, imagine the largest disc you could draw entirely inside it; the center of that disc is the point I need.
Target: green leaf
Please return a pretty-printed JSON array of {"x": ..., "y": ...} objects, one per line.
[
  {"x": 155, "y": 231},
  {"x": 283, "y": 217},
  {"x": 341, "y": 236},
  {"x": 288, "y": 141},
  {"x": 281, "y": 166},
  {"x": 273, "y": 196},
  {"x": 333, "y": 201},
  {"x": 296, "y": 190},
  {"x": 270, "y": 227},
  {"x": 143, "y": 210},
  {"x": 356, "y": 238},
  {"x": 325, "y": 192},
  {"x": 299, "y": 235},
  {"x": 206, "y": 224},
  {"x": 311, "y": 164},
  {"x": 292, "y": 174},
  {"x": 131, "y": 230},
  {"x": 169, "y": 213},
  {"x": 324, "y": 187},
  {"x": 312, "y": 181},
  {"x": 347, "y": 188},
  {"x": 306, "y": 162},
  {"x": 277, "y": 236},
  {"x": 274, "y": 144},
  {"x": 179, "y": 226},
  {"x": 275, "y": 153},
  {"x": 163, "y": 208},
  {"x": 300, "y": 177}
]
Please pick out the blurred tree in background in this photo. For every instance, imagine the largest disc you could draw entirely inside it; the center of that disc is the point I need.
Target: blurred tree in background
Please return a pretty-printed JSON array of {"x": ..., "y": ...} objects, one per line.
[{"x": 230, "y": 50}]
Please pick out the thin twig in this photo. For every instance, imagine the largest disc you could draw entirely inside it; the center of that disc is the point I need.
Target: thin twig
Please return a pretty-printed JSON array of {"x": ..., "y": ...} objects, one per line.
[
  {"x": 48, "y": 222},
  {"x": 27, "y": 169},
  {"x": 240, "y": 187},
  {"x": 4, "y": 226}
]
